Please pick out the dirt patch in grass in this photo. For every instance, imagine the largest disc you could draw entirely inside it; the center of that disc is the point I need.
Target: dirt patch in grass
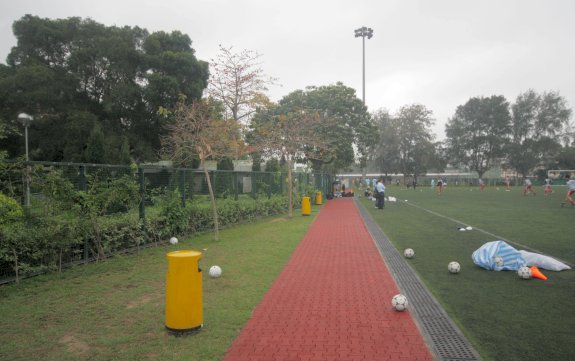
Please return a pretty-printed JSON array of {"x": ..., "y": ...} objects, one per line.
[
  {"x": 275, "y": 220},
  {"x": 145, "y": 299},
  {"x": 74, "y": 345}
]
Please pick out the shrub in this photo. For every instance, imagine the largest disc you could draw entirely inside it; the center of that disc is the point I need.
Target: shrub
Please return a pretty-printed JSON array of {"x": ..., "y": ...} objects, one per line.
[{"x": 10, "y": 210}]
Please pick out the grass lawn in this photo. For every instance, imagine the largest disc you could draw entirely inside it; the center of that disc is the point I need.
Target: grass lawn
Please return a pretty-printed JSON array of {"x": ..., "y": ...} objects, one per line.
[
  {"x": 506, "y": 318},
  {"x": 114, "y": 310}
]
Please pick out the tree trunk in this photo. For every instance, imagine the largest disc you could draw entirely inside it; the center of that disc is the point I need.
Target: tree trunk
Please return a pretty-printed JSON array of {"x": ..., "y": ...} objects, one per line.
[
  {"x": 290, "y": 189},
  {"x": 213, "y": 201},
  {"x": 16, "y": 265},
  {"x": 98, "y": 239}
]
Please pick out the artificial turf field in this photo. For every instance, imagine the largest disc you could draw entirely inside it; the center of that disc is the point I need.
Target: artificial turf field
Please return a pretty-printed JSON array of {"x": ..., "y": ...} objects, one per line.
[{"x": 506, "y": 318}]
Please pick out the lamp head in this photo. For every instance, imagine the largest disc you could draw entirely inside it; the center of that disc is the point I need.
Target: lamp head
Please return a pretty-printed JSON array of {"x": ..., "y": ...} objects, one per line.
[
  {"x": 25, "y": 119},
  {"x": 369, "y": 33}
]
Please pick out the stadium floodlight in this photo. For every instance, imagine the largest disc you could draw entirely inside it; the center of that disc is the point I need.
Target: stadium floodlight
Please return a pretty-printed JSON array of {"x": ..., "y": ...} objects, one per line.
[{"x": 364, "y": 32}]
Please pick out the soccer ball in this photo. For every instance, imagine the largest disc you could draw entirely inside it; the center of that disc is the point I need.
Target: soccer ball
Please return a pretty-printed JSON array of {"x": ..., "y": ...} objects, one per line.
[
  {"x": 524, "y": 272},
  {"x": 408, "y": 253},
  {"x": 173, "y": 240},
  {"x": 215, "y": 271},
  {"x": 454, "y": 267},
  {"x": 399, "y": 302},
  {"x": 499, "y": 261},
  {"x": 469, "y": 228}
]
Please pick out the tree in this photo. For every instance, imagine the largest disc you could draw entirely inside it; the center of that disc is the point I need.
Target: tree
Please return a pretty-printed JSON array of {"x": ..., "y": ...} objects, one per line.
[
  {"x": 478, "y": 132},
  {"x": 72, "y": 73},
  {"x": 238, "y": 81},
  {"x": 539, "y": 125},
  {"x": 285, "y": 136},
  {"x": 96, "y": 148},
  {"x": 198, "y": 132},
  {"x": 566, "y": 158},
  {"x": 414, "y": 138},
  {"x": 348, "y": 130},
  {"x": 385, "y": 153}
]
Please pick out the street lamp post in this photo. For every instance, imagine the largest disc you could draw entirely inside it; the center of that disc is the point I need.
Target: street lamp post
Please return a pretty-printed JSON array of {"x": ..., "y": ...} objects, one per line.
[
  {"x": 26, "y": 119},
  {"x": 363, "y": 32}
]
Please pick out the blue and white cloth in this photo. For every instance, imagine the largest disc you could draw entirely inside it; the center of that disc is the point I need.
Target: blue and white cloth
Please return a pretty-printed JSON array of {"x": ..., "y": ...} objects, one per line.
[{"x": 486, "y": 257}]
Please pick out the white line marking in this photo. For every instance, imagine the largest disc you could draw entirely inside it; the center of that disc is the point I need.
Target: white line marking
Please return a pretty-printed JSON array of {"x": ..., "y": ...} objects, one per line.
[{"x": 489, "y": 233}]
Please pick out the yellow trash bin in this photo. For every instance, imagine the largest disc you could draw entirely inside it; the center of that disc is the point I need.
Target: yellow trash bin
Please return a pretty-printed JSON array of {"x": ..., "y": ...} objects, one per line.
[
  {"x": 184, "y": 307},
  {"x": 305, "y": 206},
  {"x": 318, "y": 198}
]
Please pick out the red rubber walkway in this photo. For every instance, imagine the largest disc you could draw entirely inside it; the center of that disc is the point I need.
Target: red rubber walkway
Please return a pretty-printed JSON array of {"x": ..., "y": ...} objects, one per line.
[{"x": 332, "y": 301}]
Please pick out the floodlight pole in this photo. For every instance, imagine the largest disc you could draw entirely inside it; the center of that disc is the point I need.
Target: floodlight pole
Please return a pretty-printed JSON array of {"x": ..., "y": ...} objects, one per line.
[{"x": 363, "y": 32}]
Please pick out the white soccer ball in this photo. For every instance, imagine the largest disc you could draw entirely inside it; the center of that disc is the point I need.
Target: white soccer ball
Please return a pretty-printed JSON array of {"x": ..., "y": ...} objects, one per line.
[
  {"x": 469, "y": 228},
  {"x": 408, "y": 253},
  {"x": 215, "y": 271},
  {"x": 462, "y": 229},
  {"x": 173, "y": 240},
  {"x": 524, "y": 272},
  {"x": 454, "y": 267},
  {"x": 399, "y": 302},
  {"x": 499, "y": 261}
]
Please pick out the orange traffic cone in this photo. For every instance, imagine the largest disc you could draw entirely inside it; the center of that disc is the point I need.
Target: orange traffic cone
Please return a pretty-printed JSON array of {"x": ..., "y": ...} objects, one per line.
[{"x": 536, "y": 273}]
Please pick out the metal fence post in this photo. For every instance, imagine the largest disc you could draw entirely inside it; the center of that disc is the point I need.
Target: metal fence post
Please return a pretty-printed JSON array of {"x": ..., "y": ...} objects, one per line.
[
  {"x": 254, "y": 183},
  {"x": 82, "y": 178},
  {"x": 236, "y": 186},
  {"x": 214, "y": 184},
  {"x": 192, "y": 179},
  {"x": 142, "y": 193},
  {"x": 183, "y": 187},
  {"x": 270, "y": 181}
]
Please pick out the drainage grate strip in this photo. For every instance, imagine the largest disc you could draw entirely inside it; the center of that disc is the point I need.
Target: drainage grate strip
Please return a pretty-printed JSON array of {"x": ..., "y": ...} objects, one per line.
[{"x": 446, "y": 340}]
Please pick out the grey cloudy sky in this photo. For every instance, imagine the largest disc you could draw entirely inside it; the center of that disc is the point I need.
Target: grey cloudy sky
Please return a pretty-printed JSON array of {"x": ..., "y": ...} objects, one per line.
[{"x": 438, "y": 53}]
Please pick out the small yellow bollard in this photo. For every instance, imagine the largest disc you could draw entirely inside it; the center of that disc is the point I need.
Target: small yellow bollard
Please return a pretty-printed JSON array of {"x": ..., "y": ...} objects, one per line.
[
  {"x": 305, "y": 206},
  {"x": 184, "y": 307},
  {"x": 318, "y": 198}
]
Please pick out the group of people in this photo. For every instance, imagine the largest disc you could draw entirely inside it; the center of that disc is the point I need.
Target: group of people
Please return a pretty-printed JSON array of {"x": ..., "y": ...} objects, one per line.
[
  {"x": 439, "y": 185},
  {"x": 379, "y": 189},
  {"x": 547, "y": 188}
]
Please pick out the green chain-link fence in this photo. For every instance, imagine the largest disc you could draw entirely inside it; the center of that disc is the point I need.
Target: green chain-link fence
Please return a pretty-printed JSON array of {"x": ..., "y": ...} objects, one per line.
[{"x": 130, "y": 195}]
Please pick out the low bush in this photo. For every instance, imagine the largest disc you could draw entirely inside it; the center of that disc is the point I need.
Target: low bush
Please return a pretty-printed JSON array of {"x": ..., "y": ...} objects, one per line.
[{"x": 46, "y": 243}]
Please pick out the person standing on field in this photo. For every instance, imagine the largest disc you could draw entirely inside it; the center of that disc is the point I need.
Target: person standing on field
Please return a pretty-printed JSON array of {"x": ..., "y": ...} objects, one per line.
[
  {"x": 570, "y": 190},
  {"x": 528, "y": 187},
  {"x": 481, "y": 185},
  {"x": 547, "y": 187},
  {"x": 380, "y": 194},
  {"x": 439, "y": 186}
]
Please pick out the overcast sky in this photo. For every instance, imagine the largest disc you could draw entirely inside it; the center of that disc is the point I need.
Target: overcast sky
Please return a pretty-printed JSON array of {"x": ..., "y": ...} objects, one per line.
[{"x": 434, "y": 52}]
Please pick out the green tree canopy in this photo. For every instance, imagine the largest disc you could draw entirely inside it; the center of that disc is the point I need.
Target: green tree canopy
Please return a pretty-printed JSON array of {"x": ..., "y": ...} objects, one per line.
[
  {"x": 415, "y": 140},
  {"x": 72, "y": 73},
  {"x": 350, "y": 124},
  {"x": 539, "y": 125},
  {"x": 478, "y": 132},
  {"x": 384, "y": 155}
]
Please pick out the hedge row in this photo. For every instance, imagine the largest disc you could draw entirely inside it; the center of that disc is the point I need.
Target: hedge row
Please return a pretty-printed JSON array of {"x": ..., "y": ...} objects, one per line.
[{"x": 47, "y": 244}]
